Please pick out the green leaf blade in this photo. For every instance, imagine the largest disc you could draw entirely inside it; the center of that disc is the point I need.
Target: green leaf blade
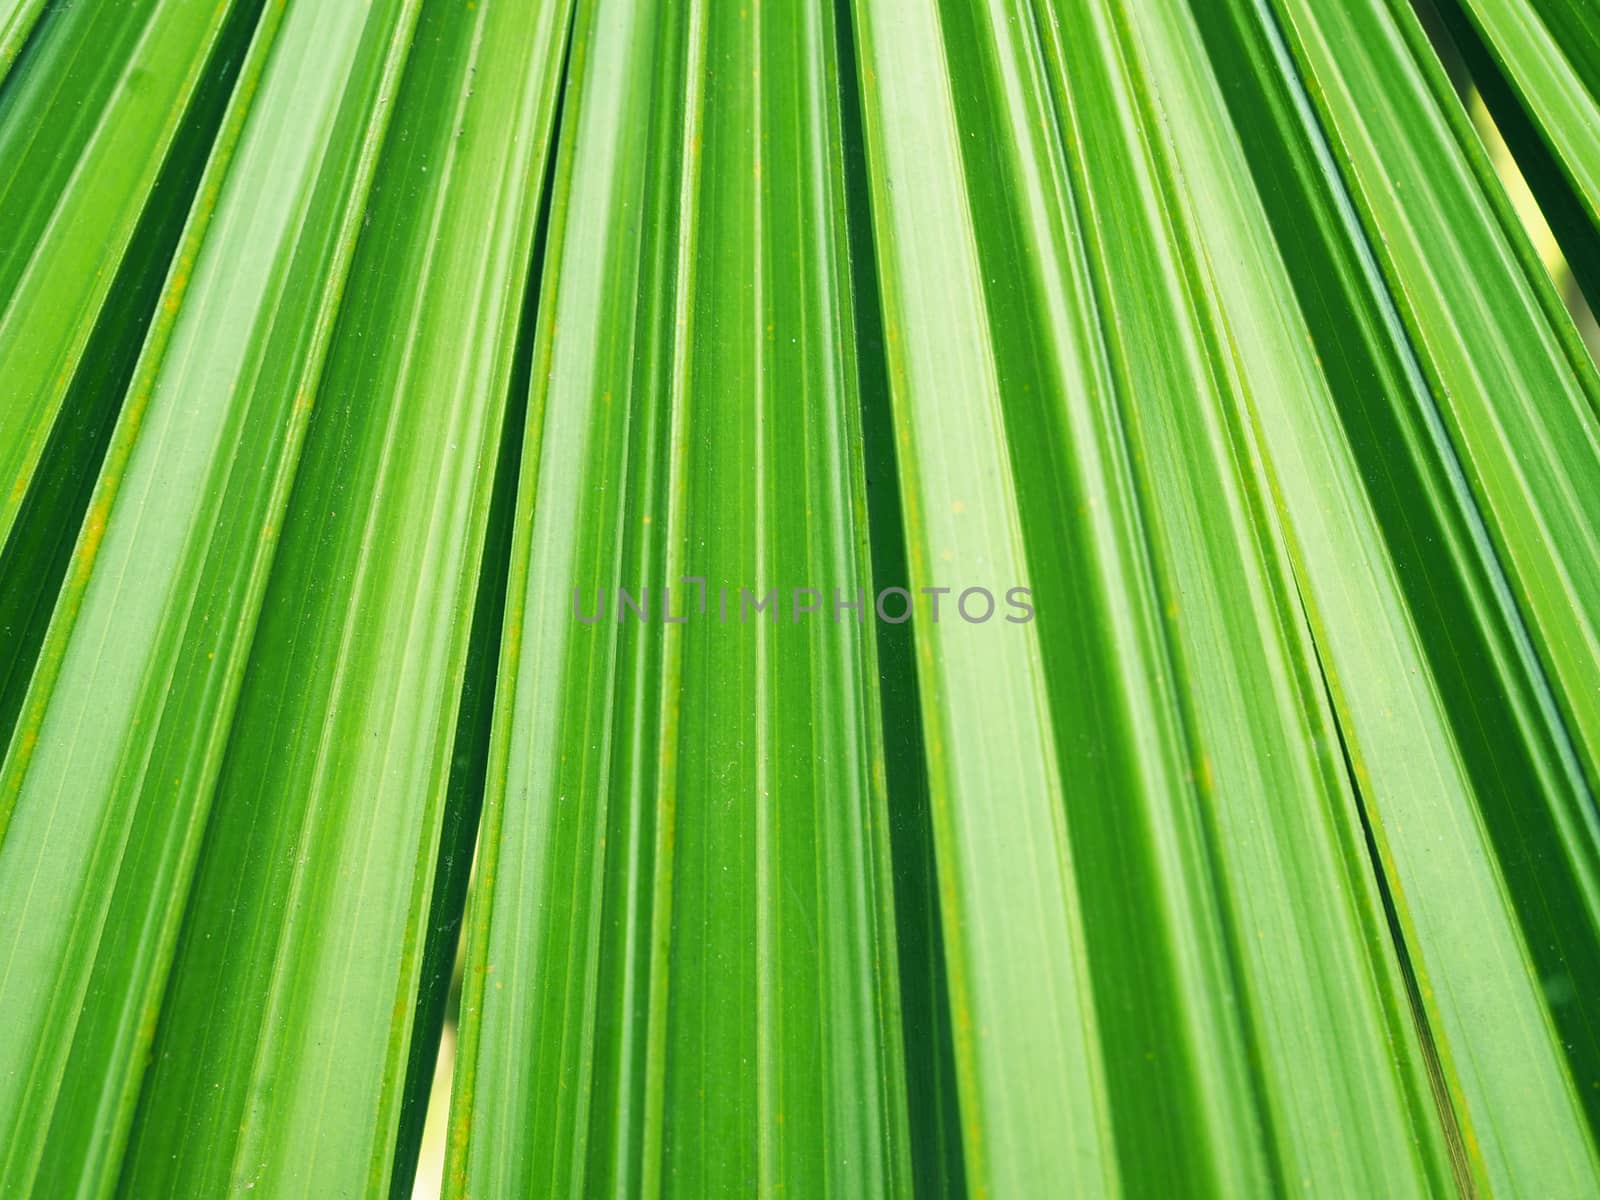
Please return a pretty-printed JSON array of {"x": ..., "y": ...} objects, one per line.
[
  {"x": 707, "y": 958},
  {"x": 328, "y": 811},
  {"x": 161, "y": 664}
]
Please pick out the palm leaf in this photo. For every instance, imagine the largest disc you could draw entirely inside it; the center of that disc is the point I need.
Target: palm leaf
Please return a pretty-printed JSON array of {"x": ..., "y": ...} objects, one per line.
[
  {"x": 102, "y": 831},
  {"x": 381, "y": 488},
  {"x": 95, "y": 197},
  {"x": 613, "y": 932},
  {"x": 411, "y": 411},
  {"x": 1538, "y": 65},
  {"x": 17, "y": 19}
]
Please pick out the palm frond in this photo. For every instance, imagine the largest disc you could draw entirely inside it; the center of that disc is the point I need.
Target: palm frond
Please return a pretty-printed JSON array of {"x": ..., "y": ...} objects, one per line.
[{"x": 997, "y": 599}]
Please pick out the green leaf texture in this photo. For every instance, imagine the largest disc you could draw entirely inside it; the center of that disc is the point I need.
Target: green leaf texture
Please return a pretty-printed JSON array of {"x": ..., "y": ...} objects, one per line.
[
  {"x": 997, "y": 598},
  {"x": 17, "y": 19},
  {"x": 1538, "y": 67},
  {"x": 708, "y": 987}
]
